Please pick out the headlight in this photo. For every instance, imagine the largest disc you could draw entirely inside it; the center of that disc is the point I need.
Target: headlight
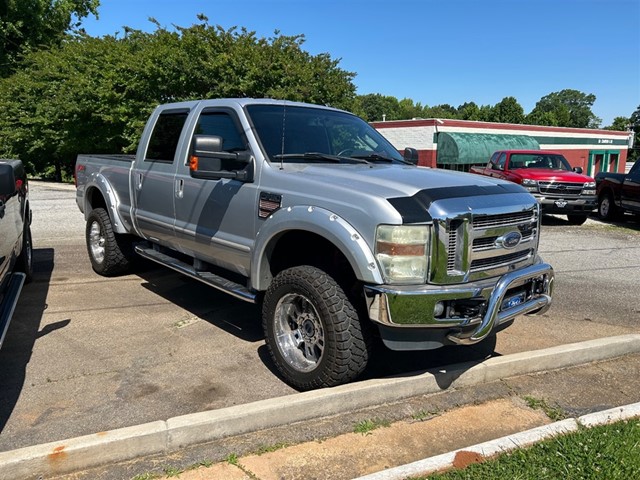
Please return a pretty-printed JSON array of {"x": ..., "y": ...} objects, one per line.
[
  {"x": 531, "y": 185},
  {"x": 589, "y": 188},
  {"x": 401, "y": 251}
]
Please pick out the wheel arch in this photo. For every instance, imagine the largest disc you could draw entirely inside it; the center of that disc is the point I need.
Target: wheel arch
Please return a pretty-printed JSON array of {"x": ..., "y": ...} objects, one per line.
[
  {"x": 99, "y": 194},
  {"x": 329, "y": 243}
]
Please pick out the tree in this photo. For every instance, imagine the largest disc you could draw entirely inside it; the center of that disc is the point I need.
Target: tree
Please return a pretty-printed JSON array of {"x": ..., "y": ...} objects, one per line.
[
  {"x": 508, "y": 110},
  {"x": 441, "y": 111},
  {"x": 375, "y": 107},
  {"x": 93, "y": 95},
  {"x": 567, "y": 108},
  {"x": 29, "y": 25},
  {"x": 620, "y": 124},
  {"x": 634, "y": 152}
]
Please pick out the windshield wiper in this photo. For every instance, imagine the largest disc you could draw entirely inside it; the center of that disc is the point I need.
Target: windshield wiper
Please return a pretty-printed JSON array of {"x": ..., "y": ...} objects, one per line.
[
  {"x": 309, "y": 155},
  {"x": 374, "y": 157},
  {"x": 318, "y": 156}
]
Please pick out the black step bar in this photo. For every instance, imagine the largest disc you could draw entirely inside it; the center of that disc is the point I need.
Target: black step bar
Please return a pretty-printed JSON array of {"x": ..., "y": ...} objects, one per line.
[
  {"x": 232, "y": 288},
  {"x": 9, "y": 302}
]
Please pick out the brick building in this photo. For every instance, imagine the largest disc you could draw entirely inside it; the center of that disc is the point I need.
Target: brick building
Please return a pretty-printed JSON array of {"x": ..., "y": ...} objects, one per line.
[{"x": 459, "y": 144}]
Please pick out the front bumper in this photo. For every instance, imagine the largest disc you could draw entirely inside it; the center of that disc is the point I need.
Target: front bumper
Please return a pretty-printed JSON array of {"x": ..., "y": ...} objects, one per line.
[
  {"x": 559, "y": 204},
  {"x": 409, "y": 319}
]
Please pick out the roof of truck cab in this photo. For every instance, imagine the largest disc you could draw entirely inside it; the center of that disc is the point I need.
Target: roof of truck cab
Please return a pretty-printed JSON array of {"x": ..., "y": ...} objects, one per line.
[{"x": 242, "y": 102}]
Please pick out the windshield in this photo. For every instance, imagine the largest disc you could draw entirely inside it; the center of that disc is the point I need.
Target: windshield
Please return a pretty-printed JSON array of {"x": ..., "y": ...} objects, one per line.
[
  {"x": 318, "y": 135},
  {"x": 536, "y": 160}
]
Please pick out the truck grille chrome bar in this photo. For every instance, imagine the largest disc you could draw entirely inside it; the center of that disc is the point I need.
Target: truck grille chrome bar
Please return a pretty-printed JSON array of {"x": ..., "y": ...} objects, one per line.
[
  {"x": 560, "y": 188},
  {"x": 474, "y": 248}
]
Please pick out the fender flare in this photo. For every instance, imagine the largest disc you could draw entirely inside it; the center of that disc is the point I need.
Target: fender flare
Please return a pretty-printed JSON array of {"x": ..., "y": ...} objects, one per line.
[
  {"x": 100, "y": 183},
  {"x": 321, "y": 222}
]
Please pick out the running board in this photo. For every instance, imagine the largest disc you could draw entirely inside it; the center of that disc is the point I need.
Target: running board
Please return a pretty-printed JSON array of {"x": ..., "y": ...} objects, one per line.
[
  {"x": 8, "y": 305},
  {"x": 211, "y": 279}
]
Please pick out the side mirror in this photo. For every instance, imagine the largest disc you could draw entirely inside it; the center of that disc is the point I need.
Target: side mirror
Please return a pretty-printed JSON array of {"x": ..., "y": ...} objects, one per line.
[
  {"x": 411, "y": 155},
  {"x": 7, "y": 180},
  {"x": 208, "y": 161},
  {"x": 577, "y": 169}
]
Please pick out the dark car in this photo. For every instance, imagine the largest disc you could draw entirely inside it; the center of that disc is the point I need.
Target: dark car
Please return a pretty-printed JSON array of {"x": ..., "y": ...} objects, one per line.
[{"x": 618, "y": 193}]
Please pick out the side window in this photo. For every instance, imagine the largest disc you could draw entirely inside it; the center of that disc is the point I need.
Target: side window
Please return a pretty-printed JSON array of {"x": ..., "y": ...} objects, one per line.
[
  {"x": 502, "y": 161},
  {"x": 498, "y": 161},
  {"x": 221, "y": 124},
  {"x": 165, "y": 136}
]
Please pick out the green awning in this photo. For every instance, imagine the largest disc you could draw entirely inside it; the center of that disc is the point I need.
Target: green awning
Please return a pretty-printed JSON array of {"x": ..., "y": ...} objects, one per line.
[{"x": 477, "y": 148}]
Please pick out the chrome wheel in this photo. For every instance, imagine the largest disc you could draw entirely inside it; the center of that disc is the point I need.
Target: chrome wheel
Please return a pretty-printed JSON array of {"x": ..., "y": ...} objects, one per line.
[
  {"x": 298, "y": 332},
  {"x": 97, "y": 242},
  {"x": 605, "y": 206}
]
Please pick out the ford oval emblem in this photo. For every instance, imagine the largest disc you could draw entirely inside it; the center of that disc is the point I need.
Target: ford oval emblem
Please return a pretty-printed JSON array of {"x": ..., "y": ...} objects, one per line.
[{"x": 510, "y": 240}]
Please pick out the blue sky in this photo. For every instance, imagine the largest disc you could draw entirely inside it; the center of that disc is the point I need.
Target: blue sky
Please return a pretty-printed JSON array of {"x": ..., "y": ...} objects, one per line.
[{"x": 436, "y": 52}]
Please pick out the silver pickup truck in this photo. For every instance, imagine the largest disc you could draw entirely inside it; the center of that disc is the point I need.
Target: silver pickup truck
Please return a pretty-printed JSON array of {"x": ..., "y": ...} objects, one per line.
[
  {"x": 309, "y": 211},
  {"x": 15, "y": 239}
]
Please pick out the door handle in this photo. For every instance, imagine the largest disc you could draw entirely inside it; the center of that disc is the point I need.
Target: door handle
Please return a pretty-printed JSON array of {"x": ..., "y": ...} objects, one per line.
[
  {"x": 180, "y": 188},
  {"x": 139, "y": 181}
]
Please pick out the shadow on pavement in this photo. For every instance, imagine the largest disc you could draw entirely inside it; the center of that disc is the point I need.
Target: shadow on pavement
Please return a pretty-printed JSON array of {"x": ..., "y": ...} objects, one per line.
[{"x": 24, "y": 331}]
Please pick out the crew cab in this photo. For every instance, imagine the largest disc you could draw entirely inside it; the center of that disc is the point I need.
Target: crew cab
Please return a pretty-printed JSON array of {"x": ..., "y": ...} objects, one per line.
[
  {"x": 311, "y": 213},
  {"x": 15, "y": 239},
  {"x": 618, "y": 193},
  {"x": 558, "y": 188}
]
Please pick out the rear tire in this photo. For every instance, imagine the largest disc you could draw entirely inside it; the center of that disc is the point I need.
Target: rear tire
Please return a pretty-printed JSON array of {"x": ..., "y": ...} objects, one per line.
[
  {"x": 312, "y": 330},
  {"x": 109, "y": 252},
  {"x": 24, "y": 263}
]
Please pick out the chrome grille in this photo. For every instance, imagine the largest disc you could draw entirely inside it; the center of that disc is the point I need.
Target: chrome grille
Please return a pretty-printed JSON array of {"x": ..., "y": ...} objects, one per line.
[
  {"x": 560, "y": 188},
  {"x": 499, "y": 261},
  {"x": 471, "y": 244},
  {"x": 451, "y": 250},
  {"x": 502, "y": 220}
]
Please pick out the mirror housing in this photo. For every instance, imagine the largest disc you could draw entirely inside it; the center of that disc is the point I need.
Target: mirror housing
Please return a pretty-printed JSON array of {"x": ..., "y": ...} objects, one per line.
[
  {"x": 577, "y": 169},
  {"x": 411, "y": 155},
  {"x": 207, "y": 160}
]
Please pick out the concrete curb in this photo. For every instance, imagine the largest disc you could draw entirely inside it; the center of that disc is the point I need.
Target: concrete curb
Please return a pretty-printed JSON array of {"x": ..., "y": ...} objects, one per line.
[
  {"x": 123, "y": 444},
  {"x": 466, "y": 456}
]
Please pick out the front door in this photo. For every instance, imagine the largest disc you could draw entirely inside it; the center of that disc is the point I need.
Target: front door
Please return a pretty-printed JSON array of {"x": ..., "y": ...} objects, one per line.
[{"x": 215, "y": 219}]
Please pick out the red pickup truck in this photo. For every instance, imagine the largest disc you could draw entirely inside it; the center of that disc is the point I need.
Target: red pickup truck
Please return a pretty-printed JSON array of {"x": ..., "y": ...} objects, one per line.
[{"x": 549, "y": 177}]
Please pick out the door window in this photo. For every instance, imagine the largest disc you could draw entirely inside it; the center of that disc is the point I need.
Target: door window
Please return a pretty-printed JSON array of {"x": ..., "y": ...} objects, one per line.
[
  {"x": 221, "y": 124},
  {"x": 166, "y": 134}
]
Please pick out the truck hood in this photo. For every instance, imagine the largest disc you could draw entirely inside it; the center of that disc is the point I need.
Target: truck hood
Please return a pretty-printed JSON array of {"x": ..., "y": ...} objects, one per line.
[
  {"x": 389, "y": 181},
  {"x": 545, "y": 174}
]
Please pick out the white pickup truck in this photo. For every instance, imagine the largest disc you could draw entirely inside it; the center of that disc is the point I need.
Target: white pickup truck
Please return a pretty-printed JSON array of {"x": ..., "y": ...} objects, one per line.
[
  {"x": 309, "y": 211},
  {"x": 15, "y": 239}
]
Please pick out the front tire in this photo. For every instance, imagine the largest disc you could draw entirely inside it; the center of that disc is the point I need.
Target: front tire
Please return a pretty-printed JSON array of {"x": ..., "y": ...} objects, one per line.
[
  {"x": 607, "y": 209},
  {"x": 109, "y": 252},
  {"x": 312, "y": 330}
]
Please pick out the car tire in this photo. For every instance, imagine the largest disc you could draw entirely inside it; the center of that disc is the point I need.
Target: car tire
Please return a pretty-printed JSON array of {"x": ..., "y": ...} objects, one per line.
[
  {"x": 24, "y": 263},
  {"x": 110, "y": 253},
  {"x": 607, "y": 209},
  {"x": 312, "y": 330}
]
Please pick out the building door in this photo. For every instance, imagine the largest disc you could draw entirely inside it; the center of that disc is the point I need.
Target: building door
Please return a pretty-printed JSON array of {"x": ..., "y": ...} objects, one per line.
[{"x": 596, "y": 163}]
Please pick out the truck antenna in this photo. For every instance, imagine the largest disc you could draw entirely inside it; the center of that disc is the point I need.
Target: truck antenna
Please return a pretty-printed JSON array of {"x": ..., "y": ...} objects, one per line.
[{"x": 284, "y": 117}]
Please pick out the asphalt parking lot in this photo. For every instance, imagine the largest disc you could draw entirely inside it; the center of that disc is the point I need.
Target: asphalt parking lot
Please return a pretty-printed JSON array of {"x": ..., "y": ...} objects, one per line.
[{"x": 86, "y": 354}]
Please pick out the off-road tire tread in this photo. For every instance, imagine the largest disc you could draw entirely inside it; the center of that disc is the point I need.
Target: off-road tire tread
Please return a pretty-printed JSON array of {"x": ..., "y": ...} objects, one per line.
[
  {"x": 117, "y": 256},
  {"x": 346, "y": 357}
]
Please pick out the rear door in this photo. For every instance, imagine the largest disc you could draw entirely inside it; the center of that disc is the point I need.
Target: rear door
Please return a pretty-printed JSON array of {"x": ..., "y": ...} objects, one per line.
[{"x": 153, "y": 178}]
